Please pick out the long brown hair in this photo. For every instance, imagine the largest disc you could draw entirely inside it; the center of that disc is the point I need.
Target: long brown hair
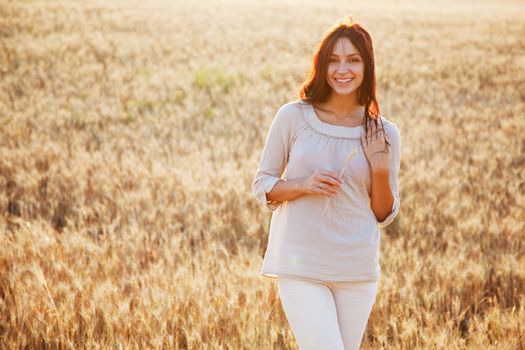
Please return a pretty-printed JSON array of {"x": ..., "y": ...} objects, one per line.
[{"x": 316, "y": 88}]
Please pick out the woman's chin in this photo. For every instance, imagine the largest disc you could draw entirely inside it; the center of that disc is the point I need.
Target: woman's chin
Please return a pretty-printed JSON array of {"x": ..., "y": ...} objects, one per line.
[{"x": 343, "y": 92}]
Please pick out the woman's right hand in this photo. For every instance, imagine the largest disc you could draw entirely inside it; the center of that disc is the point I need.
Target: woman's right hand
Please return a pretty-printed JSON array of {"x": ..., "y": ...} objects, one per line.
[{"x": 322, "y": 182}]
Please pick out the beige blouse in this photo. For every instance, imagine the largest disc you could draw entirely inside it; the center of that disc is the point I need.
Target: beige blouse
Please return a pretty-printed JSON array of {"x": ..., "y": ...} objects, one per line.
[{"x": 344, "y": 244}]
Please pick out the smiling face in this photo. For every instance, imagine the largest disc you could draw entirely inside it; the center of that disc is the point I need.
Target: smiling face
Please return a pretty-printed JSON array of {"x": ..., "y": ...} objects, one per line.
[{"x": 345, "y": 68}]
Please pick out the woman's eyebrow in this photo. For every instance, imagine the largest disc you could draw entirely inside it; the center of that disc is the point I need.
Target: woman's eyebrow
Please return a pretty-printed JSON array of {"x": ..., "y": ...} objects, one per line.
[{"x": 352, "y": 54}]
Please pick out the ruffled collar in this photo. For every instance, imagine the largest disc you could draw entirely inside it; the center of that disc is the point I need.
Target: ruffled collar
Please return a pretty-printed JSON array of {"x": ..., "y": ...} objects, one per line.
[{"x": 324, "y": 128}]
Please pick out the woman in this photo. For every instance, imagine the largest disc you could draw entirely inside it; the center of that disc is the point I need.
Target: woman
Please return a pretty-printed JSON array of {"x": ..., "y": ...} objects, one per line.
[{"x": 327, "y": 262}]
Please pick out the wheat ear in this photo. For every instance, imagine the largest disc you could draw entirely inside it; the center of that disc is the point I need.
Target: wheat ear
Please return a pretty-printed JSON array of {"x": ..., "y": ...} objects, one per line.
[{"x": 350, "y": 156}]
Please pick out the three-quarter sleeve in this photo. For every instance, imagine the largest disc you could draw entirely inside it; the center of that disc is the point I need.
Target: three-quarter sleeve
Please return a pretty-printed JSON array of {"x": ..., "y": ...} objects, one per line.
[
  {"x": 274, "y": 157},
  {"x": 395, "y": 142}
]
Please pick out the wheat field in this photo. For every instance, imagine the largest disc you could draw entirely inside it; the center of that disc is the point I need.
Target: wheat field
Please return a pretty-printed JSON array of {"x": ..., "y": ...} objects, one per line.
[{"x": 130, "y": 133}]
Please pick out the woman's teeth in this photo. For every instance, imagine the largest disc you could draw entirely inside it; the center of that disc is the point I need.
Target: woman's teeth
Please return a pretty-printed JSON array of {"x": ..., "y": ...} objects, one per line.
[{"x": 344, "y": 80}]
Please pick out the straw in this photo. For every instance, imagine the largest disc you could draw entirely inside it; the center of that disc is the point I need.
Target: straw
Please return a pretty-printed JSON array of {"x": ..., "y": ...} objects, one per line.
[{"x": 350, "y": 156}]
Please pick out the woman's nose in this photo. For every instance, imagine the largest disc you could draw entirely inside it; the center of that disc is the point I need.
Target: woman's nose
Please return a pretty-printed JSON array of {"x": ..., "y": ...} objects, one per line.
[{"x": 343, "y": 67}]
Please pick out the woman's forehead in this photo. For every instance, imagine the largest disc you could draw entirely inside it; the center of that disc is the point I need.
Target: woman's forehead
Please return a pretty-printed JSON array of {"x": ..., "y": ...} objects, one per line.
[{"x": 344, "y": 46}]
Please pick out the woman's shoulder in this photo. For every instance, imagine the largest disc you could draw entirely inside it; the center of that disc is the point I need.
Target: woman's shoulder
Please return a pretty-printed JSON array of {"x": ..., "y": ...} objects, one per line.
[
  {"x": 290, "y": 113},
  {"x": 292, "y": 107},
  {"x": 389, "y": 125}
]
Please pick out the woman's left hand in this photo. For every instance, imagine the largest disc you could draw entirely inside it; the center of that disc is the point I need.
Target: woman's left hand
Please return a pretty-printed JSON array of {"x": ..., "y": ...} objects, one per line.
[{"x": 376, "y": 150}]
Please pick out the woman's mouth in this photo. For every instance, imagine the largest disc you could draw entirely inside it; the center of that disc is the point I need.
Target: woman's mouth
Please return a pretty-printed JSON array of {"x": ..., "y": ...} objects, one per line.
[{"x": 344, "y": 81}]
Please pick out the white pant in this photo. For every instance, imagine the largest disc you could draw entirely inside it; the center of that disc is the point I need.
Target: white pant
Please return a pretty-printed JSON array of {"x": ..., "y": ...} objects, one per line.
[{"x": 327, "y": 315}]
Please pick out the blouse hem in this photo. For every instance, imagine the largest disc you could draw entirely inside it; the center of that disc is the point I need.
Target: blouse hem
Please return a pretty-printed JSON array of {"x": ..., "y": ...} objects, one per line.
[{"x": 275, "y": 275}]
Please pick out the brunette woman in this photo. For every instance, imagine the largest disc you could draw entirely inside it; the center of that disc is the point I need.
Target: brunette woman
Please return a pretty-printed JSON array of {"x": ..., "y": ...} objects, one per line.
[{"x": 327, "y": 265}]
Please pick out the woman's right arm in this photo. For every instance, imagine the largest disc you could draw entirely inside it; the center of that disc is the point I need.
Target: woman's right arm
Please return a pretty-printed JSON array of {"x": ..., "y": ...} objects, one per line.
[
  {"x": 287, "y": 190},
  {"x": 268, "y": 186},
  {"x": 274, "y": 157}
]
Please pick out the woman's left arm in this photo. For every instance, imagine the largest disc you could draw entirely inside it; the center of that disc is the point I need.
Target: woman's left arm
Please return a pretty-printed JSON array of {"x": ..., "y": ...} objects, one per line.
[{"x": 384, "y": 163}]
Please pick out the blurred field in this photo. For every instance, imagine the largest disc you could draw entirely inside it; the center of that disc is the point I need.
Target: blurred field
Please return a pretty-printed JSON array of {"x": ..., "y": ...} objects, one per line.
[{"x": 130, "y": 133}]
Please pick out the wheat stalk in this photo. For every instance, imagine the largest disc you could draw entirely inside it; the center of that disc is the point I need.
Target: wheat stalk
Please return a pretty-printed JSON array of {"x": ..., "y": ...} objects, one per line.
[{"x": 350, "y": 156}]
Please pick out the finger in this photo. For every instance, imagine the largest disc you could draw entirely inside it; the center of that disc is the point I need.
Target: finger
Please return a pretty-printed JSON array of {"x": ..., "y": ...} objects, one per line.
[
  {"x": 383, "y": 136},
  {"x": 320, "y": 187},
  {"x": 374, "y": 129},
  {"x": 333, "y": 188},
  {"x": 370, "y": 129},
  {"x": 381, "y": 126},
  {"x": 329, "y": 182},
  {"x": 380, "y": 131},
  {"x": 383, "y": 131},
  {"x": 386, "y": 141},
  {"x": 325, "y": 189},
  {"x": 332, "y": 180},
  {"x": 387, "y": 138},
  {"x": 382, "y": 141},
  {"x": 335, "y": 176},
  {"x": 363, "y": 140}
]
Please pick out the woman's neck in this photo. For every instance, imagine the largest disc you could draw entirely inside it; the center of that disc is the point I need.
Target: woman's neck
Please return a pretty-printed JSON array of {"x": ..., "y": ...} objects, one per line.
[{"x": 344, "y": 107}]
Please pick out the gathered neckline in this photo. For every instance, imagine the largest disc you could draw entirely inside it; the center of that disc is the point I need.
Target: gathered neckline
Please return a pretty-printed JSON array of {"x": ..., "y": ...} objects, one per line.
[{"x": 338, "y": 131}]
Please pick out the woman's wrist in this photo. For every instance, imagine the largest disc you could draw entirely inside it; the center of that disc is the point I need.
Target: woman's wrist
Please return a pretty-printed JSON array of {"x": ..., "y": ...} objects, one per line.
[
  {"x": 380, "y": 170},
  {"x": 286, "y": 190},
  {"x": 299, "y": 185}
]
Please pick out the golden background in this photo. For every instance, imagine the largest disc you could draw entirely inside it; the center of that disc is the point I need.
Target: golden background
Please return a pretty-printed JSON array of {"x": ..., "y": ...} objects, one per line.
[{"x": 130, "y": 133}]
